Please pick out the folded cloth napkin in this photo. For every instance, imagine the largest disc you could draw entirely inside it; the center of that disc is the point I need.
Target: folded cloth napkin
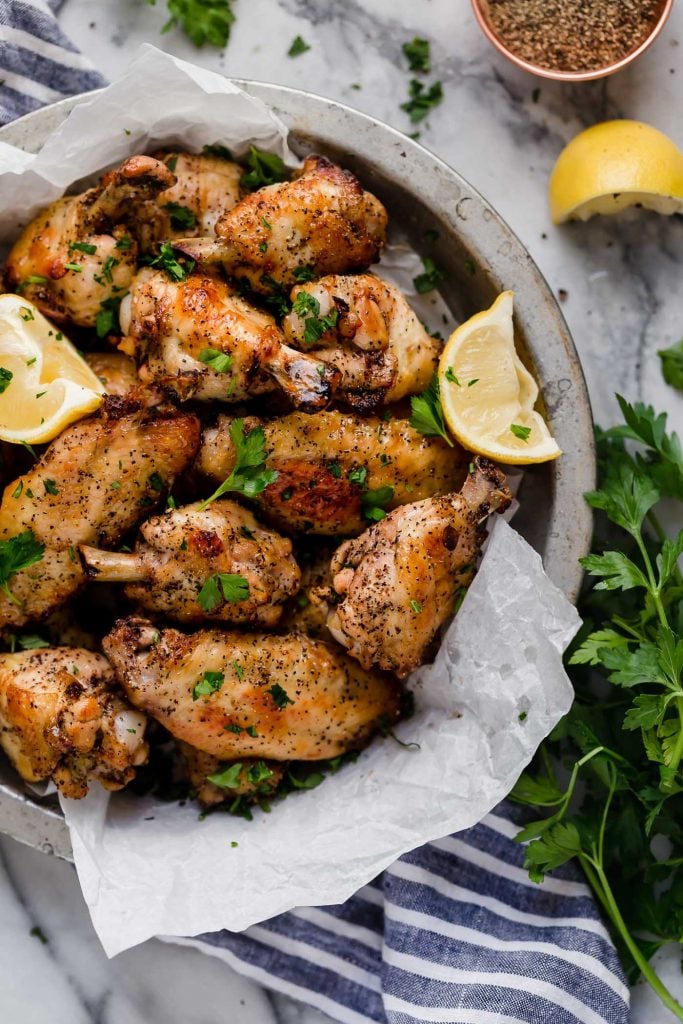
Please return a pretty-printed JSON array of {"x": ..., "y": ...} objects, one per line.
[{"x": 454, "y": 931}]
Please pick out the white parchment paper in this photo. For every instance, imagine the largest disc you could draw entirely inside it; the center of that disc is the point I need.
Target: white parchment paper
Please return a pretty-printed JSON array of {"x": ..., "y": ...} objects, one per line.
[{"x": 496, "y": 688}]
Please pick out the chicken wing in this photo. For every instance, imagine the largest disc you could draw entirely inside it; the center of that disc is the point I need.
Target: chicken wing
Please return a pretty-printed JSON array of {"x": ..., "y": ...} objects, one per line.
[
  {"x": 322, "y": 221},
  {"x": 207, "y": 187},
  {"x": 77, "y": 254},
  {"x": 374, "y": 338},
  {"x": 237, "y": 695},
  {"x": 398, "y": 581},
  {"x": 307, "y": 611},
  {"x": 206, "y": 341},
  {"x": 94, "y": 482},
  {"x": 117, "y": 371},
  {"x": 185, "y": 551},
  {"x": 62, "y": 719},
  {"x": 334, "y": 468},
  {"x": 248, "y": 777}
]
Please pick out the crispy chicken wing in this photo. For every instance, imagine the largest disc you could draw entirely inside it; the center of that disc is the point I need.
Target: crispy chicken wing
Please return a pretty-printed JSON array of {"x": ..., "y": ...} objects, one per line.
[
  {"x": 94, "y": 482},
  {"x": 237, "y": 695},
  {"x": 332, "y": 466},
  {"x": 179, "y": 551},
  {"x": 322, "y": 220},
  {"x": 77, "y": 253},
  {"x": 202, "y": 338},
  {"x": 206, "y": 188},
  {"x": 399, "y": 579},
  {"x": 376, "y": 341},
  {"x": 117, "y": 371},
  {"x": 248, "y": 777},
  {"x": 62, "y": 719}
]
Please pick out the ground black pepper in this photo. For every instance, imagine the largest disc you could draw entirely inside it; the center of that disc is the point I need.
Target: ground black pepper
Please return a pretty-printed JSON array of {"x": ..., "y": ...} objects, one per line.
[{"x": 573, "y": 35}]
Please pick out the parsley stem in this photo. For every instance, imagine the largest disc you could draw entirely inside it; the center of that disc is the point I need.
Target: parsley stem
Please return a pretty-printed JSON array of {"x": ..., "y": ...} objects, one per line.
[
  {"x": 677, "y": 752},
  {"x": 10, "y": 596},
  {"x": 654, "y": 589}
]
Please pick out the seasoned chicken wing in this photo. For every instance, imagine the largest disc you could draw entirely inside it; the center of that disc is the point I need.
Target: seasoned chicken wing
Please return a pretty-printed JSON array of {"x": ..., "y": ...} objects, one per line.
[
  {"x": 334, "y": 468},
  {"x": 94, "y": 482},
  {"x": 374, "y": 338},
  {"x": 237, "y": 695},
  {"x": 323, "y": 221},
  {"x": 206, "y": 341},
  {"x": 77, "y": 254},
  {"x": 248, "y": 777},
  {"x": 307, "y": 611},
  {"x": 398, "y": 581},
  {"x": 62, "y": 719},
  {"x": 207, "y": 187},
  {"x": 184, "y": 553},
  {"x": 117, "y": 371}
]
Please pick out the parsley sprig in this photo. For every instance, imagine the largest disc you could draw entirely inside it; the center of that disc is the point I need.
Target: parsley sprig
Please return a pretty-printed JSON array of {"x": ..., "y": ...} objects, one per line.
[
  {"x": 264, "y": 169},
  {"x": 221, "y": 587},
  {"x": 624, "y": 746},
  {"x": 18, "y": 553},
  {"x": 167, "y": 260},
  {"x": 307, "y": 307},
  {"x": 427, "y": 415},
  {"x": 249, "y": 475},
  {"x": 203, "y": 21}
]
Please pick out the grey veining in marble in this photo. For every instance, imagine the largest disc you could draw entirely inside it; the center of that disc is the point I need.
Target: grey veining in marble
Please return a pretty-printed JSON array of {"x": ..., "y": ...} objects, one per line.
[{"x": 502, "y": 129}]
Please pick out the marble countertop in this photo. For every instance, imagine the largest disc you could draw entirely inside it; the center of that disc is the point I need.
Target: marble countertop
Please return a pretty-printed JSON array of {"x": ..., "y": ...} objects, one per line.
[{"x": 619, "y": 283}]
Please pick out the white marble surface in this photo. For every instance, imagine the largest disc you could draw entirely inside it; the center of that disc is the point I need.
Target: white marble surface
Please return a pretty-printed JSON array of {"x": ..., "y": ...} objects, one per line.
[{"x": 622, "y": 279}]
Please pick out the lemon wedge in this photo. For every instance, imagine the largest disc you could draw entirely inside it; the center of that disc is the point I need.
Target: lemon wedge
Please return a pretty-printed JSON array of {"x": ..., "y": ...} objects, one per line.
[
  {"x": 44, "y": 383},
  {"x": 488, "y": 395},
  {"x": 613, "y": 165}
]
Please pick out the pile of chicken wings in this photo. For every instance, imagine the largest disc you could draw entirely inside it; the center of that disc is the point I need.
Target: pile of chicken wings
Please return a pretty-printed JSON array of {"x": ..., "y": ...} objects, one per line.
[{"x": 277, "y": 544}]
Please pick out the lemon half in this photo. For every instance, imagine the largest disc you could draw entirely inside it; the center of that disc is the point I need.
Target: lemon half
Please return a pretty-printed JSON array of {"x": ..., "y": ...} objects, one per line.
[
  {"x": 44, "y": 383},
  {"x": 613, "y": 165},
  {"x": 488, "y": 395}
]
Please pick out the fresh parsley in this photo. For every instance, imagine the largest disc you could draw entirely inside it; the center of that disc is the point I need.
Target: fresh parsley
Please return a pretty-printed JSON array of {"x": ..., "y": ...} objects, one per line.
[
  {"x": 210, "y": 682},
  {"x": 515, "y": 428},
  {"x": 85, "y": 247},
  {"x": 26, "y": 314},
  {"x": 249, "y": 475},
  {"x": 203, "y": 21},
  {"x": 221, "y": 587},
  {"x": 307, "y": 307},
  {"x": 16, "y": 554},
  {"x": 5, "y": 379},
  {"x": 298, "y": 47},
  {"x": 264, "y": 169},
  {"x": 182, "y": 217},
  {"x": 374, "y": 502},
  {"x": 219, "y": 361},
  {"x": 167, "y": 260},
  {"x": 427, "y": 415},
  {"x": 428, "y": 280},
  {"x": 303, "y": 274},
  {"x": 672, "y": 365},
  {"x": 417, "y": 54},
  {"x": 421, "y": 99},
  {"x": 229, "y": 778},
  {"x": 107, "y": 319},
  {"x": 280, "y": 697}
]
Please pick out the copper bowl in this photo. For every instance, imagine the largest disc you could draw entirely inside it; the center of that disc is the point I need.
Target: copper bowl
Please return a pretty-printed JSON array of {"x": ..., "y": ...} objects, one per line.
[{"x": 481, "y": 12}]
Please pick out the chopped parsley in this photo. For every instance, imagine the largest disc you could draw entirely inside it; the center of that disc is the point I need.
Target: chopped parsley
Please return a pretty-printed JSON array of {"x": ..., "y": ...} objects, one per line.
[
  {"x": 38, "y": 933},
  {"x": 229, "y": 778},
  {"x": 5, "y": 379},
  {"x": 85, "y": 247},
  {"x": 239, "y": 671},
  {"x": 32, "y": 279},
  {"x": 221, "y": 587},
  {"x": 335, "y": 469},
  {"x": 521, "y": 432},
  {"x": 470, "y": 267},
  {"x": 27, "y": 642},
  {"x": 182, "y": 217},
  {"x": 259, "y": 772},
  {"x": 203, "y": 21},
  {"x": 124, "y": 242},
  {"x": 26, "y": 314},
  {"x": 416, "y": 606},
  {"x": 16, "y": 493},
  {"x": 167, "y": 260},
  {"x": 264, "y": 169},
  {"x": 421, "y": 99},
  {"x": 429, "y": 278},
  {"x": 310, "y": 781},
  {"x": 18, "y": 553},
  {"x": 210, "y": 682},
  {"x": 450, "y": 376},
  {"x": 672, "y": 365},
  {"x": 219, "y": 361},
  {"x": 107, "y": 320},
  {"x": 373, "y": 502},
  {"x": 50, "y": 487},
  {"x": 303, "y": 274},
  {"x": 106, "y": 276},
  {"x": 280, "y": 697},
  {"x": 417, "y": 53},
  {"x": 155, "y": 482},
  {"x": 358, "y": 476},
  {"x": 298, "y": 46},
  {"x": 427, "y": 415},
  {"x": 249, "y": 475},
  {"x": 74, "y": 266},
  {"x": 214, "y": 150},
  {"x": 307, "y": 307}
]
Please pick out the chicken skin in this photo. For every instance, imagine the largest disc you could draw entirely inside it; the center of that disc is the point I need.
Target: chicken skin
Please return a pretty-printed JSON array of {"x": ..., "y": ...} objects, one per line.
[
  {"x": 93, "y": 484},
  {"x": 62, "y": 719},
  {"x": 398, "y": 581},
  {"x": 208, "y": 343},
  {"x": 334, "y": 468},
  {"x": 237, "y": 695},
  {"x": 174, "y": 567},
  {"x": 206, "y": 188},
  {"x": 248, "y": 777},
  {"x": 117, "y": 371},
  {"x": 77, "y": 254},
  {"x": 375, "y": 339},
  {"x": 307, "y": 611},
  {"x": 323, "y": 221}
]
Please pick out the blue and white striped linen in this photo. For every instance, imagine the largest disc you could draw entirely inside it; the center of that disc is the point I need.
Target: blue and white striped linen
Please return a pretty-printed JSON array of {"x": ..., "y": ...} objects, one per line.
[{"x": 453, "y": 932}]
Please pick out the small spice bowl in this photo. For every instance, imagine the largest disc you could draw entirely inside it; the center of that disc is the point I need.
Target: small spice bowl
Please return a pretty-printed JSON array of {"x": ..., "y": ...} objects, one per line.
[{"x": 482, "y": 11}]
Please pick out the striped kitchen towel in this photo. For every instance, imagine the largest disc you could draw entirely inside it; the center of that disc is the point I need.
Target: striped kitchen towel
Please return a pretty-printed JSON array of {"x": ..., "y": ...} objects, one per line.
[{"x": 454, "y": 931}]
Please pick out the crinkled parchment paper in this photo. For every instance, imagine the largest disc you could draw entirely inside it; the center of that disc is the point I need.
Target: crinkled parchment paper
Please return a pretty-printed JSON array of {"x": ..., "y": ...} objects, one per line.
[{"x": 151, "y": 868}]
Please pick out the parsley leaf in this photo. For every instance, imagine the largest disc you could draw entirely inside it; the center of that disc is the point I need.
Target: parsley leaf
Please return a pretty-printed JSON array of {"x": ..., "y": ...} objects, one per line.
[
  {"x": 203, "y": 21},
  {"x": 229, "y": 778},
  {"x": 210, "y": 682},
  {"x": 18, "y": 553},
  {"x": 182, "y": 217},
  {"x": 374, "y": 502},
  {"x": 107, "y": 320},
  {"x": 298, "y": 46},
  {"x": 221, "y": 587},
  {"x": 249, "y": 475},
  {"x": 264, "y": 169},
  {"x": 672, "y": 365},
  {"x": 428, "y": 281},
  {"x": 167, "y": 260},
  {"x": 417, "y": 53},
  {"x": 427, "y": 415},
  {"x": 307, "y": 307},
  {"x": 421, "y": 99},
  {"x": 521, "y": 432},
  {"x": 219, "y": 361},
  {"x": 5, "y": 379},
  {"x": 280, "y": 697}
]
